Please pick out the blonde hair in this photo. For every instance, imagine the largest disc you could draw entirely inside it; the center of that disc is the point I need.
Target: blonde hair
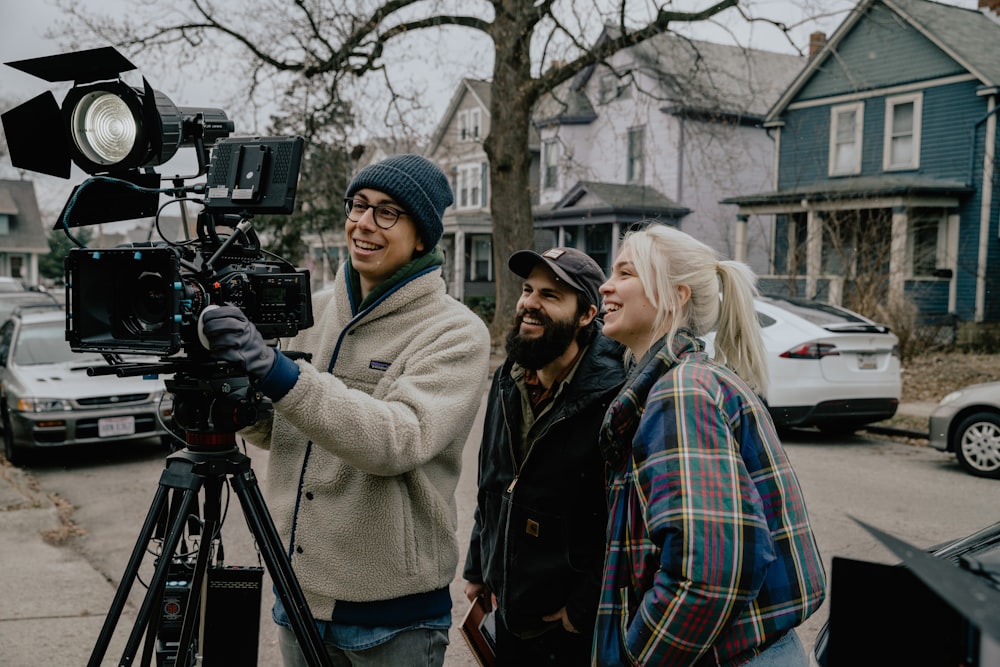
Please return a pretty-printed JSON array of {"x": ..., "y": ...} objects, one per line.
[{"x": 722, "y": 294}]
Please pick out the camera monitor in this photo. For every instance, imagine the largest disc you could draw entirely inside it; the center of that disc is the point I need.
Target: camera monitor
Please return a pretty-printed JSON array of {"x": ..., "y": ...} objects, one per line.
[{"x": 254, "y": 175}]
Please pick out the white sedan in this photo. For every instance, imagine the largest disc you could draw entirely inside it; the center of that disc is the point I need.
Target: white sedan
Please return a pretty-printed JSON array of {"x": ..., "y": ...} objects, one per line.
[{"x": 828, "y": 367}]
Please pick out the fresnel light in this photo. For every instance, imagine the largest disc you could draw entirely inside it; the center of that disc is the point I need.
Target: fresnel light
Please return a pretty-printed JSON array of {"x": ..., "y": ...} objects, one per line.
[{"x": 105, "y": 127}]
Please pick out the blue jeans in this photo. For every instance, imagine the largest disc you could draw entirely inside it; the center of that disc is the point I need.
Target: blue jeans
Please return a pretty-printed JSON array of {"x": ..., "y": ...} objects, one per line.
[
  {"x": 786, "y": 652},
  {"x": 423, "y": 647}
]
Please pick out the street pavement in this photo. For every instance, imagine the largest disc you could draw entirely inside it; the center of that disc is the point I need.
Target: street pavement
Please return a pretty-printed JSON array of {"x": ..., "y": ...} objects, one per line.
[{"x": 56, "y": 602}]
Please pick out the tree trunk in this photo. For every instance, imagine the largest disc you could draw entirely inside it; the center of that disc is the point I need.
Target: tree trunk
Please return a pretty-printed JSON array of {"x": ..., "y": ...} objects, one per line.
[{"x": 509, "y": 159}]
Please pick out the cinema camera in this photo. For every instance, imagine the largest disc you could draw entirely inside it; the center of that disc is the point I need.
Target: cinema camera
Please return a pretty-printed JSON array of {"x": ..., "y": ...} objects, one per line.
[{"x": 146, "y": 298}]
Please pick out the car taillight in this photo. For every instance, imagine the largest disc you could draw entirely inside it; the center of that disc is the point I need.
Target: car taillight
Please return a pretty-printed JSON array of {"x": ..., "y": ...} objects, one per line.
[{"x": 810, "y": 351}]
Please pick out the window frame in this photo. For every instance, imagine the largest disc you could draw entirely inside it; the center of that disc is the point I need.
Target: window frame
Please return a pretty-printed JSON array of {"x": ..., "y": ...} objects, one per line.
[
  {"x": 550, "y": 164},
  {"x": 480, "y": 243},
  {"x": 936, "y": 225},
  {"x": 635, "y": 163},
  {"x": 916, "y": 99},
  {"x": 469, "y": 193},
  {"x": 858, "y": 109}
]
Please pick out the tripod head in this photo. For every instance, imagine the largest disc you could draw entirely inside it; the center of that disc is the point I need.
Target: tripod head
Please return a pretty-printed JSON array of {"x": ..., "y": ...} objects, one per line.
[
  {"x": 211, "y": 406},
  {"x": 212, "y": 400}
]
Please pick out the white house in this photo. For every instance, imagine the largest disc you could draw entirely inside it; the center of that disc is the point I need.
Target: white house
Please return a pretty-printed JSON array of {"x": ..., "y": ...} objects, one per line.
[{"x": 663, "y": 130}]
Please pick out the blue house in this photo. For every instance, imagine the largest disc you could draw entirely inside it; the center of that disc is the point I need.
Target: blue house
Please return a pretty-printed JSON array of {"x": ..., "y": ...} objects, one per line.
[{"x": 886, "y": 185}]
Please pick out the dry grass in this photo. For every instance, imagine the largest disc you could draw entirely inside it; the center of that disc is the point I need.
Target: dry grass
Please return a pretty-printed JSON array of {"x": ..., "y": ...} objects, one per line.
[{"x": 930, "y": 377}]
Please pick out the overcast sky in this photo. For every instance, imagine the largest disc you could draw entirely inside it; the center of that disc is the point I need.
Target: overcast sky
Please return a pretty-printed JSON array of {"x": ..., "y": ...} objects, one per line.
[{"x": 23, "y": 23}]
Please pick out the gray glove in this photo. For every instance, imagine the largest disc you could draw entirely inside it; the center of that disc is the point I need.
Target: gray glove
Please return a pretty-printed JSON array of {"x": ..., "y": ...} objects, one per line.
[{"x": 232, "y": 338}]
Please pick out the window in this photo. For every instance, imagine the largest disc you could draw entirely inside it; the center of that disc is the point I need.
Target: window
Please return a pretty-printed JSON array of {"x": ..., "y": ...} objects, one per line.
[
  {"x": 475, "y": 116},
  {"x": 634, "y": 168},
  {"x": 4, "y": 224},
  {"x": 927, "y": 245},
  {"x": 469, "y": 186},
  {"x": 794, "y": 262},
  {"x": 550, "y": 173},
  {"x": 598, "y": 241},
  {"x": 469, "y": 124},
  {"x": 857, "y": 242},
  {"x": 845, "y": 138},
  {"x": 608, "y": 88},
  {"x": 481, "y": 261},
  {"x": 902, "y": 132}
]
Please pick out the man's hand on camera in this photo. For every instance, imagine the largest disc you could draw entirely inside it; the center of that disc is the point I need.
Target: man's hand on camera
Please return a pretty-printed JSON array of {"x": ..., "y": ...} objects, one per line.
[{"x": 234, "y": 339}]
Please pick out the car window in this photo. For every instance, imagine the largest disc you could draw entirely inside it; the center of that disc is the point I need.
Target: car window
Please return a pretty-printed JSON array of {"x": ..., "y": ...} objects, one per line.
[
  {"x": 43, "y": 344},
  {"x": 9, "y": 301},
  {"x": 820, "y": 314},
  {"x": 11, "y": 285},
  {"x": 831, "y": 318}
]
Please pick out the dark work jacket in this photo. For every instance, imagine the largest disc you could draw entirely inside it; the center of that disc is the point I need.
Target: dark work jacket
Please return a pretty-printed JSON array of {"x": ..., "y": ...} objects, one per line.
[{"x": 539, "y": 532}]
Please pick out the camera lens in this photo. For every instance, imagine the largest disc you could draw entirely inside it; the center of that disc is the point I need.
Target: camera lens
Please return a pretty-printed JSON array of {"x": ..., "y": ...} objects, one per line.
[{"x": 150, "y": 302}]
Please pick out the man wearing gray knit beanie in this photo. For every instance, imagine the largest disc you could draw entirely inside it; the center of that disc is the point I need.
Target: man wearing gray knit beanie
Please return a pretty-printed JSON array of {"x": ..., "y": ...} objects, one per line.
[{"x": 366, "y": 435}]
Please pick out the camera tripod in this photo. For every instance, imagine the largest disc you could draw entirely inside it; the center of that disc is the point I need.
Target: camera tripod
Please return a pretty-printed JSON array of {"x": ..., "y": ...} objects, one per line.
[{"x": 211, "y": 409}]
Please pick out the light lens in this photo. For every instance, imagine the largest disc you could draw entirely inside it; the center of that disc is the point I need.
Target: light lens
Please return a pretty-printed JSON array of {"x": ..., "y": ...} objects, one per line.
[{"x": 104, "y": 128}]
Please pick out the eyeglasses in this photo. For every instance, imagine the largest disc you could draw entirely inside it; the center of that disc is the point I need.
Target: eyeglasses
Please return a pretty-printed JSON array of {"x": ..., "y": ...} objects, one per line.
[{"x": 385, "y": 216}]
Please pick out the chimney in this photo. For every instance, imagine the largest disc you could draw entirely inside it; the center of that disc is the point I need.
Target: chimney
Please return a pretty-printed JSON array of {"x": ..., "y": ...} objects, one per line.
[
  {"x": 992, "y": 5},
  {"x": 818, "y": 39}
]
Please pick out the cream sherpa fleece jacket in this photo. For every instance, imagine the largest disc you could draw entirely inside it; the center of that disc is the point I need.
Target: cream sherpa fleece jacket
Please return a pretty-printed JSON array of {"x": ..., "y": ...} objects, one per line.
[{"x": 365, "y": 454}]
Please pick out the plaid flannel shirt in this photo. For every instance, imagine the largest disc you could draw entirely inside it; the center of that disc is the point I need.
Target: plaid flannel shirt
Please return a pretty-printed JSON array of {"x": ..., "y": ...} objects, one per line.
[{"x": 711, "y": 556}]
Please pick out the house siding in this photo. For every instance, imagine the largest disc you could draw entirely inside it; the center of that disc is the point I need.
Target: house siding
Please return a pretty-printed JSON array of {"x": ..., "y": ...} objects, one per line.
[
  {"x": 880, "y": 51},
  {"x": 948, "y": 113}
]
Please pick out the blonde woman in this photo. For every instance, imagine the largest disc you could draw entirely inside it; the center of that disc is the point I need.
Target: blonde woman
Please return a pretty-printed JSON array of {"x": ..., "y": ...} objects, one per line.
[{"x": 711, "y": 559}]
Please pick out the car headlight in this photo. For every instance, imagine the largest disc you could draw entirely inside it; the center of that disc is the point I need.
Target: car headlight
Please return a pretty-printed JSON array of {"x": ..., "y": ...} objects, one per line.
[
  {"x": 950, "y": 398},
  {"x": 32, "y": 404}
]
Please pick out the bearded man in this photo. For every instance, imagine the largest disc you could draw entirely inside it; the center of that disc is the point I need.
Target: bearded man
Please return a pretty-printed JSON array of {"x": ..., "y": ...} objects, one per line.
[{"x": 538, "y": 542}]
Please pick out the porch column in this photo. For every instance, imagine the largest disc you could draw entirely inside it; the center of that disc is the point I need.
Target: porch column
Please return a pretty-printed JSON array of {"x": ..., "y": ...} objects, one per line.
[
  {"x": 741, "y": 237},
  {"x": 814, "y": 250},
  {"x": 897, "y": 256}
]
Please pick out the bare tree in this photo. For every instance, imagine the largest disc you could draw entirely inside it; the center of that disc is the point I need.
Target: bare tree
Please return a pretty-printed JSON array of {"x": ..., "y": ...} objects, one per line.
[{"x": 319, "y": 49}]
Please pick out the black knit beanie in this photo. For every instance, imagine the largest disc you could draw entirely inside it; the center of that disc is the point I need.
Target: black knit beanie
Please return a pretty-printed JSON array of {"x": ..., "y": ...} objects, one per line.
[{"x": 416, "y": 184}]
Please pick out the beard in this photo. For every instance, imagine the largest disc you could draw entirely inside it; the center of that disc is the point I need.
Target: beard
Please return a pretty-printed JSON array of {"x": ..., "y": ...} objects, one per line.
[{"x": 536, "y": 353}]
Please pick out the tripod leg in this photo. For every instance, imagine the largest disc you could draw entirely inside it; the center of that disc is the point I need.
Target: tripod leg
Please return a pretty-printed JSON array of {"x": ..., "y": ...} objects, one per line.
[
  {"x": 262, "y": 526},
  {"x": 131, "y": 572},
  {"x": 212, "y": 487},
  {"x": 155, "y": 592}
]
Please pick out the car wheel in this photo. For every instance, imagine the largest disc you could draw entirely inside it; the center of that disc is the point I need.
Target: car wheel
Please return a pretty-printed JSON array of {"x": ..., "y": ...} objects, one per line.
[
  {"x": 977, "y": 444},
  {"x": 10, "y": 451}
]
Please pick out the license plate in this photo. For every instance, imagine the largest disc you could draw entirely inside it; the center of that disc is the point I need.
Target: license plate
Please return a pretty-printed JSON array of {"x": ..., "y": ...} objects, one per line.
[
  {"x": 112, "y": 426},
  {"x": 867, "y": 362}
]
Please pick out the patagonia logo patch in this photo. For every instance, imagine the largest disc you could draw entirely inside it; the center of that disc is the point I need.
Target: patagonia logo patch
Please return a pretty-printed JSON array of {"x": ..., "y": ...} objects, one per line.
[{"x": 376, "y": 365}]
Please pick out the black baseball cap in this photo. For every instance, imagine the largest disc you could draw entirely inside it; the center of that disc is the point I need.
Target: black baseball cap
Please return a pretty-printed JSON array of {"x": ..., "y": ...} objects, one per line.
[{"x": 574, "y": 267}]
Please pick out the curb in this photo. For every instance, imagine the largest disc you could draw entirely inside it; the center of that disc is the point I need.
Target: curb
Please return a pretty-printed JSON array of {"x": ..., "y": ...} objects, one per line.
[
  {"x": 899, "y": 432},
  {"x": 20, "y": 490}
]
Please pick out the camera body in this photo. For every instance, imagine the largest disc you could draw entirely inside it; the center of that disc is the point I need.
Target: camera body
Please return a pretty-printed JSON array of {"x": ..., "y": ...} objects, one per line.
[{"x": 146, "y": 298}]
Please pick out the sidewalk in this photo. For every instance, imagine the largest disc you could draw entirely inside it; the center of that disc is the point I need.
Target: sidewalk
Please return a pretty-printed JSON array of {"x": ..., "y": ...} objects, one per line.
[{"x": 55, "y": 601}]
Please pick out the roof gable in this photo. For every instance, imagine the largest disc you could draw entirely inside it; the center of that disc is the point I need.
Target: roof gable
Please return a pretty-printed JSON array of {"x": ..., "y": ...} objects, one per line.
[
  {"x": 950, "y": 40},
  {"x": 481, "y": 91}
]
